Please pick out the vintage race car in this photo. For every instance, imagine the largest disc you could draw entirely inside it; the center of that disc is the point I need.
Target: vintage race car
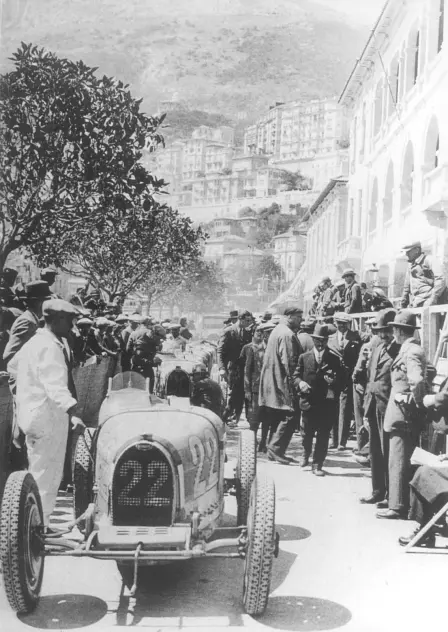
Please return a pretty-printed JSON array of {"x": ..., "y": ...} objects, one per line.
[{"x": 149, "y": 487}]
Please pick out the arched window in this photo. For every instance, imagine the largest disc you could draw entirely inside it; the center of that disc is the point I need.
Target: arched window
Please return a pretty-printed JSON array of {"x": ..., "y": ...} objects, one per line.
[
  {"x": 394, "y": 82},
  {"x": 407, "y": 180},
  {"x": 389, "y": 194},
  {"x": 441, "y": 25},
  {"x": 432, "y": 146},
  {"x": 378, "y": 108},
  {"x": 373, "y": 210},
  {"x": 412, "y": 58}
]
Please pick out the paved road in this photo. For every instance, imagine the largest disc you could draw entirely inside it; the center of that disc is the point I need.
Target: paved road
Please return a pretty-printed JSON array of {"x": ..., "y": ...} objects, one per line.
[{"x": 339, "y": 569}]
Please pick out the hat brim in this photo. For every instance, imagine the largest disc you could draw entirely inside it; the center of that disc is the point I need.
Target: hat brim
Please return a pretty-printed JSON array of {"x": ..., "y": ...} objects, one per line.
[
  {"x": 36, "y": 298},
  {"x": 403, "y": 325},
  {"x": 319, "y": 337}
]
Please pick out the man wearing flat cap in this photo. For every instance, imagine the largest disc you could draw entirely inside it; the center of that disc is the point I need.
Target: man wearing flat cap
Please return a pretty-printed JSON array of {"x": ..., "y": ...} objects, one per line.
[
  {"x": 231, "y": 369},
  {"x": 142, "y": 347},
  {"x": 46, "y": 400},
  {"x": 425, "y": 283},
  {"x": 316, "y": 380},
  {"x": 405, "y": 411},
  {"x": 346, "y": 344},
  {"x": 376, "y": 397},
  {"x": 276, "y": 383},
  {"x": 353, "y": 295}
]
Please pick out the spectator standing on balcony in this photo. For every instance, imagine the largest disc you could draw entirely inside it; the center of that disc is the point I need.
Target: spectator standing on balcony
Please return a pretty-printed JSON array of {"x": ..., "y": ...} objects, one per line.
[
  {"x": 379, "y": 300},
  {"x": 326, "y": 305},
  {"x": 346, "y": 344},
  {"x": 352, "y": 295},
  {"x": 425, "y": 284},
  {"x": 404, "y": 412}
]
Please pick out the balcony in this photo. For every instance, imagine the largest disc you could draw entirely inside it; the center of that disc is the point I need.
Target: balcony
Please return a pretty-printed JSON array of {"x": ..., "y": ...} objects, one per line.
[
  {"x": 349, "y": 253},
  {"x": 435, "y": 190}
]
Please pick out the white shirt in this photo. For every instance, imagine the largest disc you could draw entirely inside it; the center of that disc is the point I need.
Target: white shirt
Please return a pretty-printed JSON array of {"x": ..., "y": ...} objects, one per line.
[
  {"x": 41, "y": 373},
  {"x": 318, "y": 355},
  {"x": 341, "y": 339}
]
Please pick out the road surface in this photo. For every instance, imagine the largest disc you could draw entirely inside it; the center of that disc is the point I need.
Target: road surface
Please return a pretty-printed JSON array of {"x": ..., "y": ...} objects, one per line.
[{"x": 339, "y": 569}]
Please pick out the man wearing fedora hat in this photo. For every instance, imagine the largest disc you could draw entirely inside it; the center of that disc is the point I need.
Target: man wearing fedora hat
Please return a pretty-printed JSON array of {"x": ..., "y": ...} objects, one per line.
[
  {"x": 375, "y": 403},
  {"x": 352, "y": 295},
  {"x": 346, "y": 344},
  {"x": 27, "y": 324},
  {"x": 404, "y": 411},
  {"x": 317, "y": 379},
  {"x": 425, "y": 283}
]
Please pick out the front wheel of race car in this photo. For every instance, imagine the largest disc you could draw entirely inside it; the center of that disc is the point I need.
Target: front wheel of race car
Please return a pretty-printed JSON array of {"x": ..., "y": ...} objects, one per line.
[
  {"x": 261, "y": 546},
  {"x": 82, "y": 474},
  {"x": 246, "y": 468},
  {"x": 21, "y": 542}
]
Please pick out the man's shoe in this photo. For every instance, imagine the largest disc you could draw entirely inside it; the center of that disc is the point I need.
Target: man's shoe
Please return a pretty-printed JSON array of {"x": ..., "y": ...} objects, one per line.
[
  {"x": 318, "y": 471},
  {"x": 391, "y": 514},
  {"x": 370, "y": 500},
  {"x": 278, "y": 459},
  {"x": 305, "y": 462},
  {"x": 383, "y": 504},
  {"x": 341, "y": 448},
  {"x": 428, "y": 540},
  {"x": 363, "y": 460}
]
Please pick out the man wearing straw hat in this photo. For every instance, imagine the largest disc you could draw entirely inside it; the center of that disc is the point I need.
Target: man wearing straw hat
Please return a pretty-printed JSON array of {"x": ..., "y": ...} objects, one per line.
[
  {"x": 404, "y": 412},
  {"x": 316, "y": 380}
]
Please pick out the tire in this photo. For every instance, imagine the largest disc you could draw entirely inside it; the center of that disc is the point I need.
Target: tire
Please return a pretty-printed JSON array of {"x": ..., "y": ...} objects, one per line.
[
  {"x": 261, "y": 546},
  {"x": 246, "y": 469},
  {"x": 82, "y": 475},
  {"x": 21, "y": 545}
]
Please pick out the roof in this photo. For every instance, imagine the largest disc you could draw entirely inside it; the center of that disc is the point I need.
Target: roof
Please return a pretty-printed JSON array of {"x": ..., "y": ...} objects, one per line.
[
  {"x": 365, "y": 60},
  {"x": 325, "y": 193},
  {"x": 290, "y": 232},
  {"x": 228, "y": 237}
]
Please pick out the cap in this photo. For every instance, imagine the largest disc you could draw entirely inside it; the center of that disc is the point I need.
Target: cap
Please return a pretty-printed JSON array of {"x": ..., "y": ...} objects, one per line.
[
  {"x": 244, "y": 313},
  {"x": 58, "y": 306},
  {"x": 348, "y": 272},
  {"x": 159, "y": 331},
  {"x": 267, "y": 326},
  {"x": 266, "y": 316},
  {"x": 233, "y": 313},
  {"x": 292, "y": 311},
  {"x": 413, "y": 244},
  {"x": 122, "y": 318},
  {"x": 339, "y": 283},
  {"x": 405, "y": 319},
  {"x": 84, "y": 321},
  {"x": 38, "y": 290},
  {"x": 48, "y": 271},
  {"x": 173, "y": 326},
  {"x": 326, "y": 279},
  {"x": 135, "y": 318},
  {"x": 102, "y": 322},
  {"x": 342, "y": 317},
  {"x": 320, "y": 332}
]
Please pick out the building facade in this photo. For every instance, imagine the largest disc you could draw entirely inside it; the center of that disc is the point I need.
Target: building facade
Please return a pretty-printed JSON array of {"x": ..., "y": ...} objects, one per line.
[
  {"x": 289, "y": 252},
  {"x": 397, "y": 96}
]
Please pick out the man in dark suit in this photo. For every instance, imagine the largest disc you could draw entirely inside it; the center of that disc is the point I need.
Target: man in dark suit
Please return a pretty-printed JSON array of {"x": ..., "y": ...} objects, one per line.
[
  {"x": 316, "y": 380},
  {"x": 404, "y": 412},
  {"x": 346, "y": 344},
  {"x": 230, "y": 344},
  {"x": 352, "y": 295},
  {"x": 375, "y": 403}
]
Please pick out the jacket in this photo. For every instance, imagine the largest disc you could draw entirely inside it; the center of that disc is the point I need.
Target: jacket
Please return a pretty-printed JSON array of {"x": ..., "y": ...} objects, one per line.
[
  {"x": 379, "y": 376},
  {"x": 408, "y": 375},
  {"x": 353, "y": 299},
  {"x": 230, "y": 345},
  {"x": 279, "y": 363},
  {"x": 348, "y": 353},
  {"x": 24, "y": 328},
  {"x": 252, "y": 368},
  {"x": 326, "y": 306},
  {"x": 310, "y": 372},
  {"x": 424, "y": 283},
  {"x": 41, "y": 373}
]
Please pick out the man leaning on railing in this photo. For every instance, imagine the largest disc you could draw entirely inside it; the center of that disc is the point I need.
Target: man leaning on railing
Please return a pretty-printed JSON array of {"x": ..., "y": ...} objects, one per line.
[{"x": 425, "y": 283}]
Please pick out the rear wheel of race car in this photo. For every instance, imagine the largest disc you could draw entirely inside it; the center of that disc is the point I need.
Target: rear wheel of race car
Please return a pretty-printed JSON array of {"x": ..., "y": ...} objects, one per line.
[
  {"x": 246, "y": 469},
  {"x": 261, "y": 546},
  {"x": 82, "y": 474},
  {"x": 21, "y": 542}
]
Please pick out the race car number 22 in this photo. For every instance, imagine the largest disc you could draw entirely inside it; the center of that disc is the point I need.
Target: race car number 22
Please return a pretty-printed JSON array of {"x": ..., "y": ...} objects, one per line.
[{"x": 204, "y": 454}]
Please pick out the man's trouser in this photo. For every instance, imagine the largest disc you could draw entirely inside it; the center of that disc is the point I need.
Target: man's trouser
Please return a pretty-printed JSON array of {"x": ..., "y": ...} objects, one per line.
[
  {"x": 46, "y": 457},
  {"x": 287, "y": 423},
  {"x": 235, "y": 394},
  {"x": 317, "y": 422},
  {"x": 379, "y": 451},
  {"x": 362, "y": 435},
  {"x": 345, "y": 412},
  {"x": 401, "y": 446}
]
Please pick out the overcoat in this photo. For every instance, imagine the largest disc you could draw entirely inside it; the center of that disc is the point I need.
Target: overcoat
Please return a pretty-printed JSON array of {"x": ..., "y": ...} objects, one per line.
[
  {"x": 310, "y": 372},
  {"x": 408, "y": 375},
  {"x": 353, "y": 299},
  {"x": 379, "y": 376},
  {"x": 230, "y": 345},
  {"x": 280, "y": 360},
  {"x": 22, "y": 330}
]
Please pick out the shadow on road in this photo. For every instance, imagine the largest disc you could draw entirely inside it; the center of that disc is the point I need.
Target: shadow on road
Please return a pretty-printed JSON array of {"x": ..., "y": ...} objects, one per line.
[
  {"x": 66, "y": 612},
  {"x": 305, "y": 614},
  {"x": 350, "y": 465}
]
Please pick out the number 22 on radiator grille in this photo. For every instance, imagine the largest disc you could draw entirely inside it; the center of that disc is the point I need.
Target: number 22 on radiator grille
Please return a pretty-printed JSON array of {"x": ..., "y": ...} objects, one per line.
[{"x": 204, "y": 454}]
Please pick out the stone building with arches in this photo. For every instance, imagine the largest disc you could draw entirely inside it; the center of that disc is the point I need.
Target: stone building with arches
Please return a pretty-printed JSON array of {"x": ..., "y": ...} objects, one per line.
[{"x": 397, "y": 99}]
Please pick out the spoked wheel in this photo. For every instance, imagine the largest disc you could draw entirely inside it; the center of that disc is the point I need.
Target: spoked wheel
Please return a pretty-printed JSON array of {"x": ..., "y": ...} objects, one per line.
[
  {"x": 82, "y": 474},
  {"x": 261, "y": 546},
  {"x": 246, "y": 469},
  {"x": 21, "y": 542}
]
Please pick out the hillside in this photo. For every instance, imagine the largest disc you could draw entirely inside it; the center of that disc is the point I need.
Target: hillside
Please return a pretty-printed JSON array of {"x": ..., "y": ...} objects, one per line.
[{"x": 233, "y": 57}]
